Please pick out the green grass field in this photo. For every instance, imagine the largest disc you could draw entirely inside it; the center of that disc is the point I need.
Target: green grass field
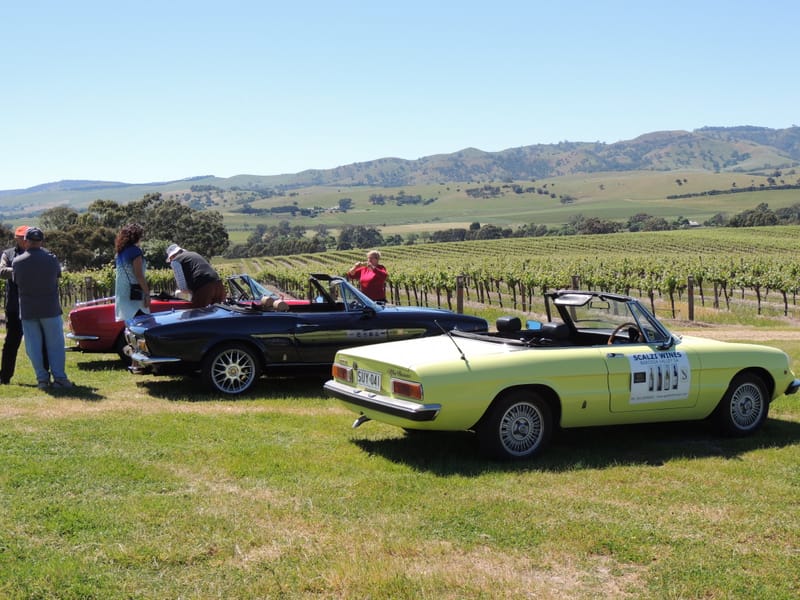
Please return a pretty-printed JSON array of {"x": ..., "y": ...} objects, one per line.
[{"x": 143, "y": 487}]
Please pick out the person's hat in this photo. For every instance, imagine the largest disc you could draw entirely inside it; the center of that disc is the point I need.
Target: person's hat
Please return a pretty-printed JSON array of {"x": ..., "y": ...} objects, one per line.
[
  {"x": 21, "y": 231},
  {"x": 34, "y": 234},
  {"x": 172, "y": 250}
]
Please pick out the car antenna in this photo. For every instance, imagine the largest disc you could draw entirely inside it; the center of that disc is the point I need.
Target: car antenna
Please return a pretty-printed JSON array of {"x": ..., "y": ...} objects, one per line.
[{"x": 452, "y": 339}]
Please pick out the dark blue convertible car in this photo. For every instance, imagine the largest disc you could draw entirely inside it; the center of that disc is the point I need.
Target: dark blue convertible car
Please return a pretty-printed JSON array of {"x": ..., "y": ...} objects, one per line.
[{"x": 231, "y": 346}]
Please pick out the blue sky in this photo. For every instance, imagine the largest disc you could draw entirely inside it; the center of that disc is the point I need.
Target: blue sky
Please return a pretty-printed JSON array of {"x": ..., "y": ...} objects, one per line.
[{"x": 161, "y": 90}]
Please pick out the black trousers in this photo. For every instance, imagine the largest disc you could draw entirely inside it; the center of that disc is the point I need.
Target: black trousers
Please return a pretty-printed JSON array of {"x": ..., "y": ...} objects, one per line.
[{"x": 11, "y": 347}]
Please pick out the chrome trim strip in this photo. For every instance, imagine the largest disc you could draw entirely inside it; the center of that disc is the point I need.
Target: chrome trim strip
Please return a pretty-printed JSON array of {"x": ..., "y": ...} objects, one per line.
[{"x": 80, "y": 338}]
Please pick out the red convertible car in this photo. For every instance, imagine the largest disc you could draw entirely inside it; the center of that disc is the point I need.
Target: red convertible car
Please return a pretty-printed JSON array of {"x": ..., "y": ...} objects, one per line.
[{"x": 92, "y": 326}]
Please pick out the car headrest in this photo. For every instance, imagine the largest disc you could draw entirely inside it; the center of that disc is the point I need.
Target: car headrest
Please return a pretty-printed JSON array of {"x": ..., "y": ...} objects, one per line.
[
  {"x": 508, "y": 324},
  {"x": 555, "y": 331}
]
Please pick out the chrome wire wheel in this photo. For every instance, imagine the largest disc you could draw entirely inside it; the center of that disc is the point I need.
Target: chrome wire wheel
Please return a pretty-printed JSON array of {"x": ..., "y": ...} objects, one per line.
[
  {"x": 521, "y": 429},
  {"x": 517, "y": 426},
  {"x": 231, "y": 369},
  {"x": 744, "y": 407},
  {"x": 747, "y": 405}
]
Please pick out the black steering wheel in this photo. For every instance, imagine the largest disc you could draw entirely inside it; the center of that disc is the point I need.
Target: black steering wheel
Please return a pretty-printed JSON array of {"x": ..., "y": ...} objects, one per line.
[{"x": 619, "y": 328}]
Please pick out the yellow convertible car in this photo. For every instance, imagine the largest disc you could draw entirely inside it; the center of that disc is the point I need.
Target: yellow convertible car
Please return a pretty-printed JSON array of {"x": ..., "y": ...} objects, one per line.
[{"x": 606, "y": 360}]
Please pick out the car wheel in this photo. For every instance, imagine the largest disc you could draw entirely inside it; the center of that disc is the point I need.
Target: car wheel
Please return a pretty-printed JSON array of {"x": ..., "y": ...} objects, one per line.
[
  {"x": 230, "y": 369},
  {"x": 124, "y": 350},
  {"x": 744, "y": 407},
  {"x": 517, "y": 426}
]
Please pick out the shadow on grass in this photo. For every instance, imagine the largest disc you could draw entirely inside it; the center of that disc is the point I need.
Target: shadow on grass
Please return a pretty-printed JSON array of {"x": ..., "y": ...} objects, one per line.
[
  {"x": 98, "y": 364},
  {"x": 449, "y": 453},
  {"x": 81, "y": 392},
  {"x": 194, "y": 389}
]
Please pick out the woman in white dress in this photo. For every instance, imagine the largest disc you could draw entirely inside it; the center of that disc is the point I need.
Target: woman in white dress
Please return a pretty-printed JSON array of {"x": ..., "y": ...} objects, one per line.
[{"x": 132, "y": 294}]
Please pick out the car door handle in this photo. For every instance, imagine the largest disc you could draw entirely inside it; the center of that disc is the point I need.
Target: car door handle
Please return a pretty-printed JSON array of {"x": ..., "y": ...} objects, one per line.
[
  {"x": 614, "y": 355},
  {"x": 306, "y": 326}
]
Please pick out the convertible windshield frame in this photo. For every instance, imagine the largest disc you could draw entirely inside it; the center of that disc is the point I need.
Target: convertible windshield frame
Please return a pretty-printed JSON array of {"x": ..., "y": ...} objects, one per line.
[
  {"x": 245, "y": 287},
  {"x": 354, "y": 300},
  {"x": 597, "y": 312}
]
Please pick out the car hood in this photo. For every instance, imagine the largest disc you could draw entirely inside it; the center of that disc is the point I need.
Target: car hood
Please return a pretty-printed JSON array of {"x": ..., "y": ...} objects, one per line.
[{"x": 447, "y": 316}]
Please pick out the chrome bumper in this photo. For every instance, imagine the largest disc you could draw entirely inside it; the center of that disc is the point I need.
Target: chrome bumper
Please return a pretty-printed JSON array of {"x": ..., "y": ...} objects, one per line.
[
  {"x": 139, "y": 361},
  {"x": 81, "y": 338},
  {"x": 383, "y": 404},
  {"x": 793, "y": 387}
]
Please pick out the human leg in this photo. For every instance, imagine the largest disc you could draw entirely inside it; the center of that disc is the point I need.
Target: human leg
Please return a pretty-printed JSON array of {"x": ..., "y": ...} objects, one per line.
[
  {"x": 53, "y": 330},
  {"x": 34, "y": 340},
  {"x": 10, "y": 346}
]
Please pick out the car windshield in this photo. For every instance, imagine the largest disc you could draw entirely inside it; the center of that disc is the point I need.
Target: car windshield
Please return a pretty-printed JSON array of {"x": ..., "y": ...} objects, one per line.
[
  {"x": 590, "y": 312},
  {"x": 244, "y": 288},
  {"x": 353, "y": 299}
]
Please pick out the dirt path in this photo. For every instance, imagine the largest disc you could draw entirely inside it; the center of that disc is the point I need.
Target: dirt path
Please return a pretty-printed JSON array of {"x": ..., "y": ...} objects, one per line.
[{"x": 734, "y": 332}]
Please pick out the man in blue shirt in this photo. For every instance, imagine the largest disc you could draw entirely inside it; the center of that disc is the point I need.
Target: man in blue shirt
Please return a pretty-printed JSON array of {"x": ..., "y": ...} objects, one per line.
[{"x": 36, "y": 273}]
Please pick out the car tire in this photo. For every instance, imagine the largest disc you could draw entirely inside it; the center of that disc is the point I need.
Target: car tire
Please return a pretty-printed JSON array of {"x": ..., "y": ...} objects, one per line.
[
  {"x": 122, "y": 348},
  {"x": 744, "y": 407},
  {"x": 517, "y": 426},
  {"x": 231, "y": 369}
]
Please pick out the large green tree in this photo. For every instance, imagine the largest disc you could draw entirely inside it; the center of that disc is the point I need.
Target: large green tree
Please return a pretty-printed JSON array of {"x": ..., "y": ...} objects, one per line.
[
  {"x": 358, "y": 236},
  {"x": 82, "y": 240}
]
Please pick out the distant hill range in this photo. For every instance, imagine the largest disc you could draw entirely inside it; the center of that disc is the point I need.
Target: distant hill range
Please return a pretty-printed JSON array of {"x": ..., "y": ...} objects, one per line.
[{"x": 743, "y": 149}]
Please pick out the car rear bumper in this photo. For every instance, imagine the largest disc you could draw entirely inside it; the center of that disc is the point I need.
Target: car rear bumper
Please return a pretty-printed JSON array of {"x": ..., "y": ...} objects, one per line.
[
  {"x": 383, "y": 404},
  {"x": 793, "y": 387}
]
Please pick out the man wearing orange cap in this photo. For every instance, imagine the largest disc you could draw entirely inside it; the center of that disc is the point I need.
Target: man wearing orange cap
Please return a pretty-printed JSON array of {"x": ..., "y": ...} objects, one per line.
[{"x": 13, "y": 323}]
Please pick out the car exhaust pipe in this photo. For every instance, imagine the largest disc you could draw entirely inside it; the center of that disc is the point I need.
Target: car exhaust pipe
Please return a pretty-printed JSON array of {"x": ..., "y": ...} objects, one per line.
[{"x": 360, "y": 421}]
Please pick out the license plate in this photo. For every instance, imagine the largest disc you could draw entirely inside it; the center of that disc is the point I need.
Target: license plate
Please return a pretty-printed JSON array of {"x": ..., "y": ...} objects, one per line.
[{"x": 369, "y": 380}]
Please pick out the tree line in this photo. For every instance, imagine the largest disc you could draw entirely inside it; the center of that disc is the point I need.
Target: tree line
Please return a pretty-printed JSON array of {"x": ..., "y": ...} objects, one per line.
[
  {"x": 85, "y": 240},
  {"x": 285, "y": 239}
]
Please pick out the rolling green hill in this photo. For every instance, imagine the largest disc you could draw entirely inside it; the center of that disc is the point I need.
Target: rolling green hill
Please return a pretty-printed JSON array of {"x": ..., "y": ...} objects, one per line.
[{"x": 677, "y": 174}]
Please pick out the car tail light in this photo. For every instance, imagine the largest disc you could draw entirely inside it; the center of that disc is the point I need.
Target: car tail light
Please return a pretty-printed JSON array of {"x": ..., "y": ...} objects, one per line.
[
  {"x": 342, "y": 372},
  {"x": 409, "y": 389}
]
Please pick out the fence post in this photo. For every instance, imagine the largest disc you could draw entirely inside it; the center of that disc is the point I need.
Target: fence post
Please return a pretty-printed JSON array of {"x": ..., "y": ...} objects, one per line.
[
  {"x": 690, "y": 296},
  {"x": 460, "y": 294},
  {"x": 88, "y": 288}
]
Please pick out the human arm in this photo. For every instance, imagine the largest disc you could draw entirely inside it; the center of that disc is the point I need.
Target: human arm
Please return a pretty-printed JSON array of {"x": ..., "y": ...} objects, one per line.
[
  {"x": 355, "y": 272},
  {"x": 5, "y": 266},
  {"x": 379, "y": 273},
  {"x": 180, "y": 278}
]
